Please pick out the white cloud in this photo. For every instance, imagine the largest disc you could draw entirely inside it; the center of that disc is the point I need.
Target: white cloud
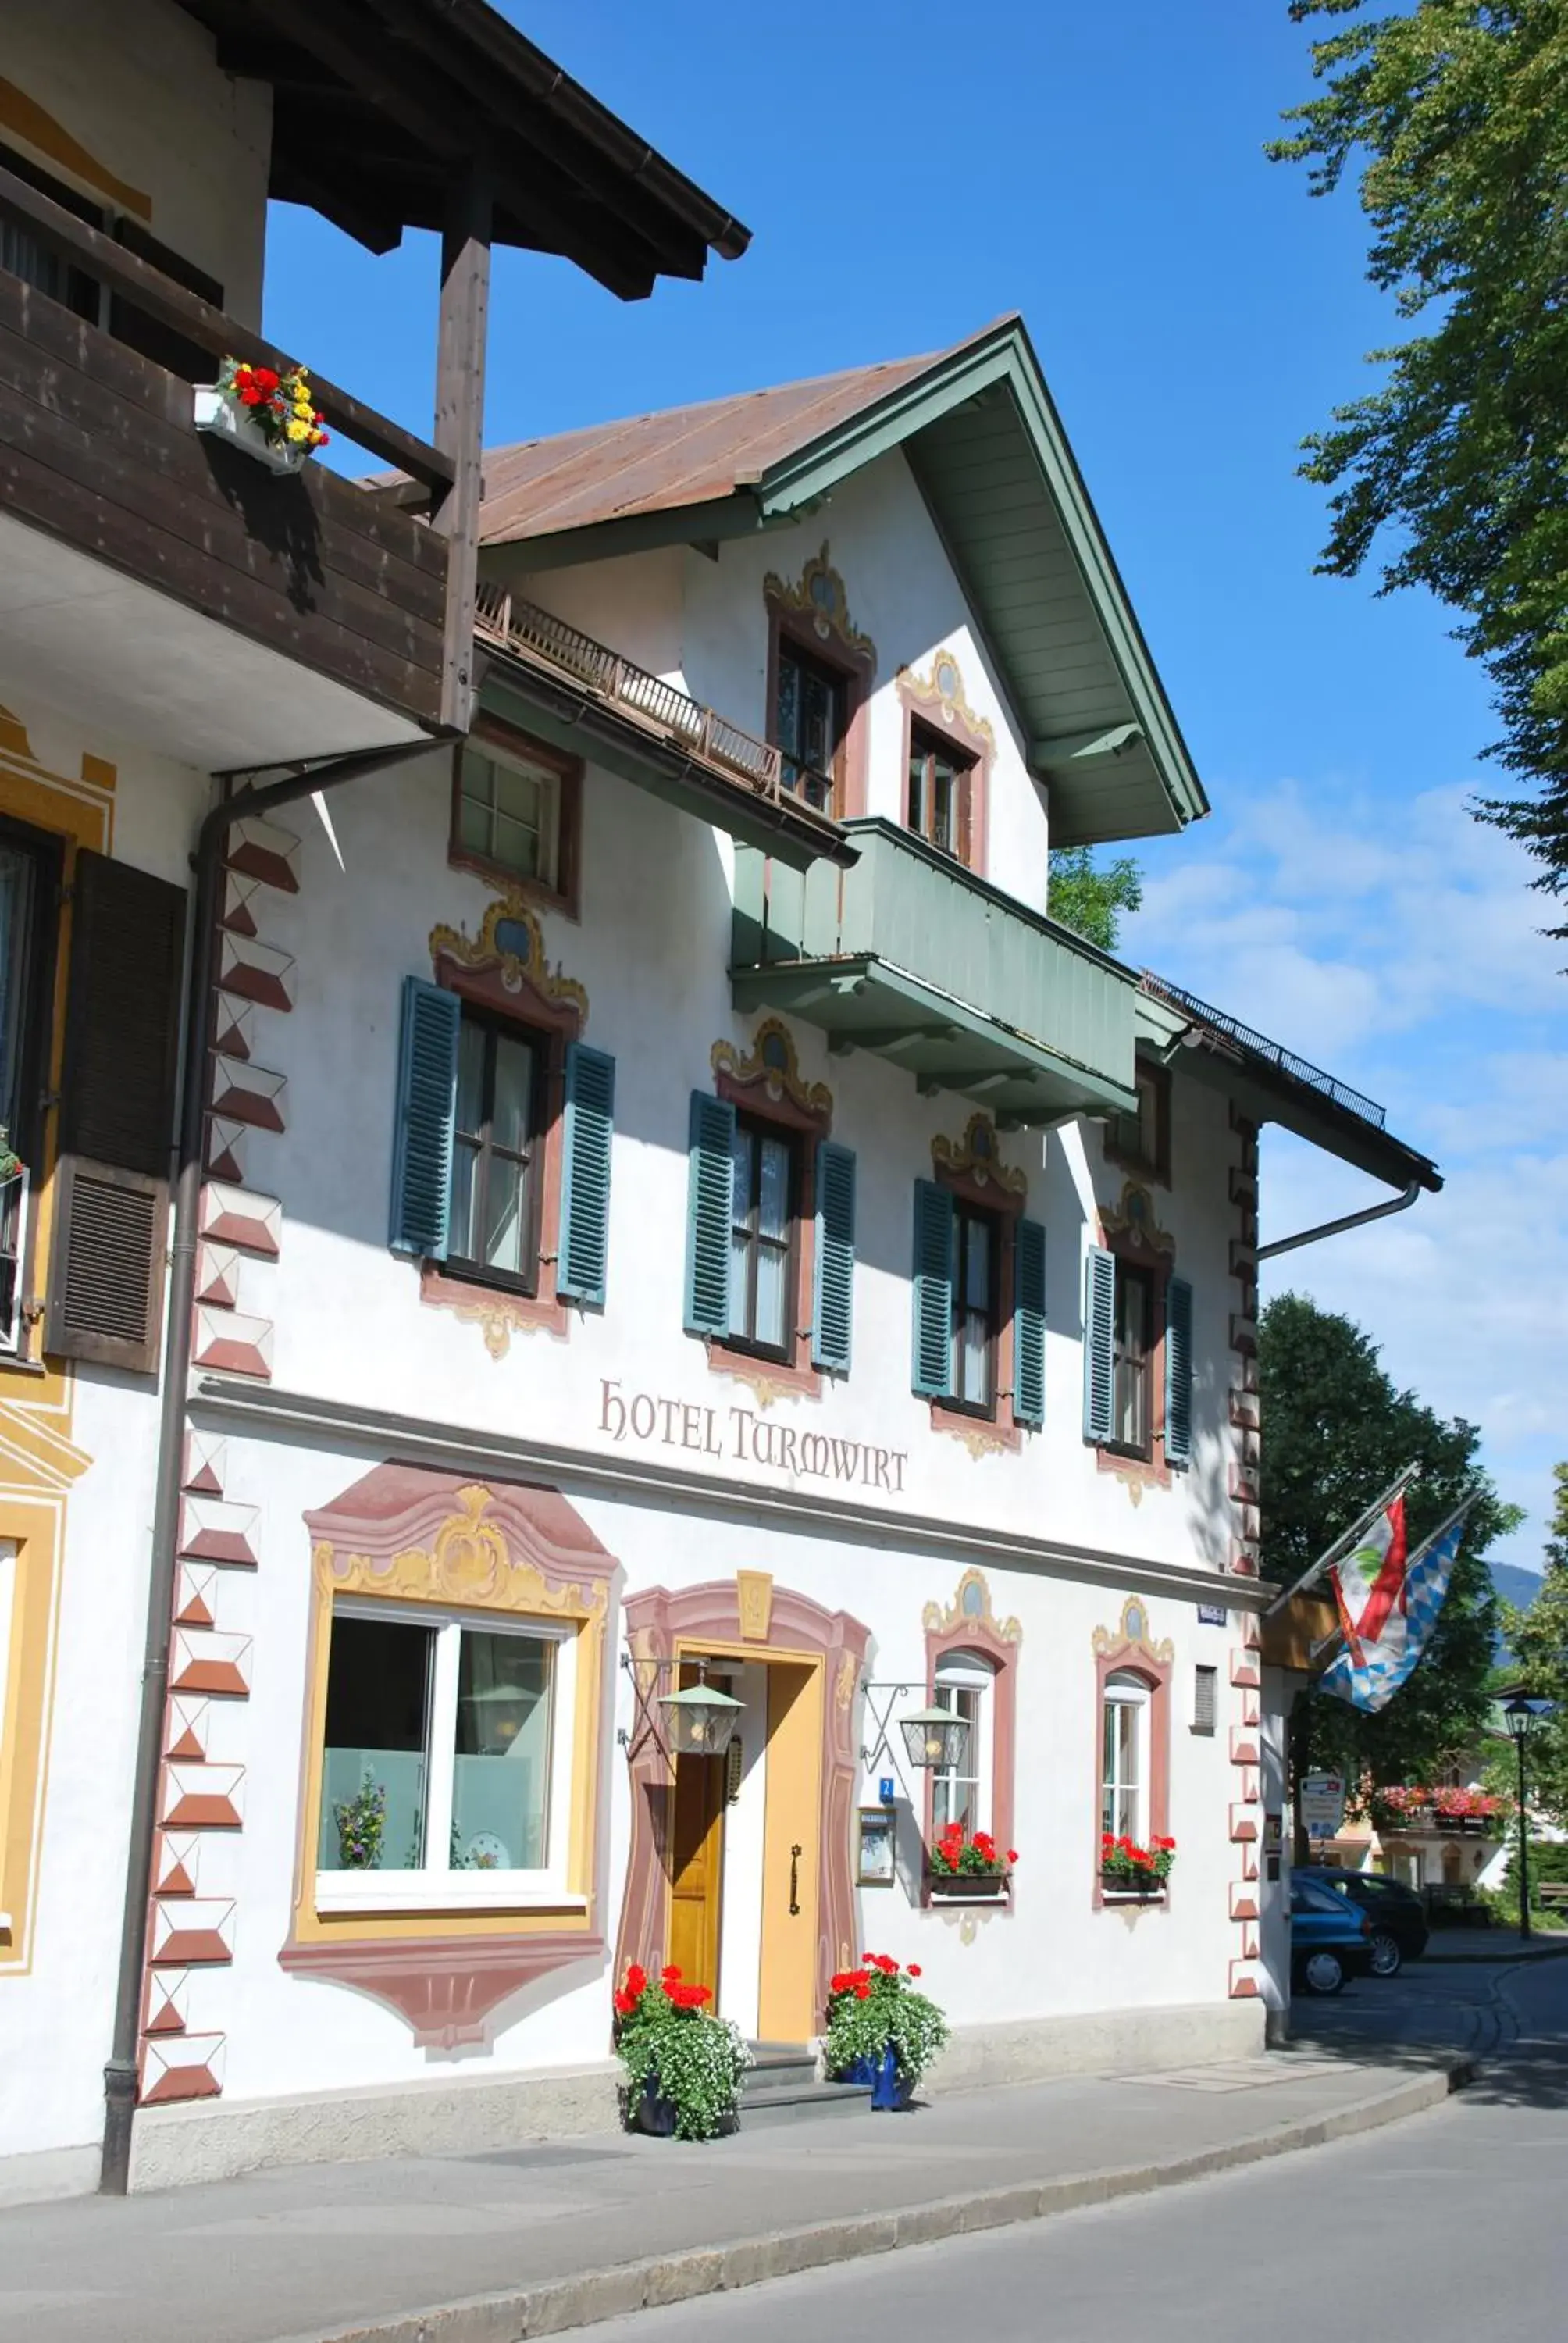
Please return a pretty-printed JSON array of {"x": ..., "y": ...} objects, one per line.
[{"x": 1396, "y": 944}]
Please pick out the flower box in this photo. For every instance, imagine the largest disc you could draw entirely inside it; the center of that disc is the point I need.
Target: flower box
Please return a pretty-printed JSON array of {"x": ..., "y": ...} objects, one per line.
[
  {"x": 217, "y": 412},
  {"x": 967, "y": 1886},
  {"x": 1115, "y": 1887}
]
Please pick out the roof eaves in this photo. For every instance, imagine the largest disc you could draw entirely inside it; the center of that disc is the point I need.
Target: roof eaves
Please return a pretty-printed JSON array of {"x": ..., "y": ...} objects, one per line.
[{"x": 1002, "y": 353}]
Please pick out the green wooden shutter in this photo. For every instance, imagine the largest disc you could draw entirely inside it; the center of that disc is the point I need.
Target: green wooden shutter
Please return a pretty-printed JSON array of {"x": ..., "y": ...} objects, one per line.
[
  {"x": 1178, "y": 1371},
  {"x": 708, "y": 1214},
  {"x": 932, "y": 1288},
  {"x": 583, "y": 1250},
  {"x": 1099, "y": 1345},
  {"x": 106, "y": 1288},
  {"x": 833, "y": 1304},
  {"x": 426, "y": 1113},
  {"x": 1028, "y": 1325}
]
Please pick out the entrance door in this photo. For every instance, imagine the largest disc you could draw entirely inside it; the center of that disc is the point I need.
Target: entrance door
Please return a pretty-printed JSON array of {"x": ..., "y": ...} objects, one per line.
[{"x": 696, "y": 1862}]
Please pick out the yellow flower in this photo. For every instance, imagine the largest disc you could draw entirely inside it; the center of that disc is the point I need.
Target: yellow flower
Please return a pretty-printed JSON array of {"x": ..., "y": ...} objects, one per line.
[
  {"x": 303, "y": 407},
  {"x": 299, "y": 431}
]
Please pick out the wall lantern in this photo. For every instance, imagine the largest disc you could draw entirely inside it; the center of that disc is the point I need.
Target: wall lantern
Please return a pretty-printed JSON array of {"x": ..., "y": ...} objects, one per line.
[
  {"x": 935, "y": 1739},
  {"x": 701, "y": 1719}
]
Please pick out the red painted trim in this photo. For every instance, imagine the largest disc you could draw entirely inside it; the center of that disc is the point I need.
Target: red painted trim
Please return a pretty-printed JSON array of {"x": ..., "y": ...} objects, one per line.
[
  {"x": 1133, "y": 1660},
  {"x": 978, "y": 1635}
]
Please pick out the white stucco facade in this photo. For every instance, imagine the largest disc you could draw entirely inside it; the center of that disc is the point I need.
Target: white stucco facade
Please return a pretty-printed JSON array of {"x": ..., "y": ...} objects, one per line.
[{"x": 683, "y": 1471}]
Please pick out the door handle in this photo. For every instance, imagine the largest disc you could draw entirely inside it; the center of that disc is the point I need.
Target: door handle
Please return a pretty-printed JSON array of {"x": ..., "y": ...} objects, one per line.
[{"x": 795, "y": 1883}]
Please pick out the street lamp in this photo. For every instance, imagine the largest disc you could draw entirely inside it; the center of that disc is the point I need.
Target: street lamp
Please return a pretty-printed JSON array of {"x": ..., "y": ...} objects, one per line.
[
  {"x": 1522, "y": 1716},
  {"x": 701, "y": 1719},
  {"x": 934, "y": 1737}
]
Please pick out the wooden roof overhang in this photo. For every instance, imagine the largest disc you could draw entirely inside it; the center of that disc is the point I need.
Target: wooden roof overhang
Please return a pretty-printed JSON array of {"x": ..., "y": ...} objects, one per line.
[{"x": 379, "y": 105}]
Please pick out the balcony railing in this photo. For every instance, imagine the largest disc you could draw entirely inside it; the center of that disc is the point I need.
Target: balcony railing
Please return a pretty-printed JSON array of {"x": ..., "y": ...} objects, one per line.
[
  {"x": 911, "y": 956},
  {"x": 1299, "y": 1069},
  {"x": 506, "y": 618}
]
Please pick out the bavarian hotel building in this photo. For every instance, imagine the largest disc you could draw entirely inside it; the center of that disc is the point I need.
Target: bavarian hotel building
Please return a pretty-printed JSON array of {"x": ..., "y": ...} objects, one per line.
[{"x": 670, "y": 1206}]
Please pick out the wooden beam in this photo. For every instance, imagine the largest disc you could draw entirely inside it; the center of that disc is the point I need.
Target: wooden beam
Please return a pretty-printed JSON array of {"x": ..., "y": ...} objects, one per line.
[{"x": 460, "y": 422}]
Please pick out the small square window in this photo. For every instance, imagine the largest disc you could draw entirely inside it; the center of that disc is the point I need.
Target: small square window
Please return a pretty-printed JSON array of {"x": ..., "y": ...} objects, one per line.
[{"x": 508, "y": 811}]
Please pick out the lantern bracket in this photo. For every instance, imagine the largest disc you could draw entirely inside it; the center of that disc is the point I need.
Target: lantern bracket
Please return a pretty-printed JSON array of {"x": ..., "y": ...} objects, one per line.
[{"x": 881, "y": 1718}]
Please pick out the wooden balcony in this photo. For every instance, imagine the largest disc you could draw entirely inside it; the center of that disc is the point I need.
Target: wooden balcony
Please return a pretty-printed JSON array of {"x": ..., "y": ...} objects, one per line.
[
  {"x": 307, "y": 613},
  {"x": 910, "y": 956}
]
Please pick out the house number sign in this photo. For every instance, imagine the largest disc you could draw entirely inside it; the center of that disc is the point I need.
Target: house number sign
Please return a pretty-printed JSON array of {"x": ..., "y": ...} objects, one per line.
[{"x": 739, "y": 1436}]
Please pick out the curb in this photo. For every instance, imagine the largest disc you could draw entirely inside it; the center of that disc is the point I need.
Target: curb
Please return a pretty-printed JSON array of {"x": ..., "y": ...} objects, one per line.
[
  {"x": 556, "y": 2306},
  {"x": 1514, "y": 1957}
]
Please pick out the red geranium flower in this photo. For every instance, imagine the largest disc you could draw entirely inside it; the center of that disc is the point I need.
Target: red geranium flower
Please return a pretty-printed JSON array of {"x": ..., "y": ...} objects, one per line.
[
  {"x": 625, "y": 2003},
  {"x": 863, "y": 1990},
  {"x": 914, "y": 1968},
  {"x": 669, "y": 1973},
  {"x": 689, "y": 1996},
  {"x": 635, "y": 1980},
  {"x": 265, "y": 378},
  {"x": 1012, "y": 1854}
]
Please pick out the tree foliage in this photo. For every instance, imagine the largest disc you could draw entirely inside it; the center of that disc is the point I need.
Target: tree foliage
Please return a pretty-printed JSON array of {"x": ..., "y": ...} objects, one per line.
[
  {"x": 1538, "y": 1639},
  {"x": 1458, "y": 112},
  {"x": 1089, "y": 901},
  {"x": 1336, "y": 1433}
]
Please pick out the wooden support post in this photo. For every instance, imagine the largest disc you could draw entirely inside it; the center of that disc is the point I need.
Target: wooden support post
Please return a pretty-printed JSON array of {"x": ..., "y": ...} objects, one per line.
[{"x": 460, "y": 422}]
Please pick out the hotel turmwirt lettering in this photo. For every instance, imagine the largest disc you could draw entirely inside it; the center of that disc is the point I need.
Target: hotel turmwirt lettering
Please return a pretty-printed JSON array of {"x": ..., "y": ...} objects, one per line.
[{"x": 554, "y": 1160}]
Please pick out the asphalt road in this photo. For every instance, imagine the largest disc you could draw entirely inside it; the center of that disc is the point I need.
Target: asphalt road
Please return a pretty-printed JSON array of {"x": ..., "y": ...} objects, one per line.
[{"x": 1453, "y": 2222}]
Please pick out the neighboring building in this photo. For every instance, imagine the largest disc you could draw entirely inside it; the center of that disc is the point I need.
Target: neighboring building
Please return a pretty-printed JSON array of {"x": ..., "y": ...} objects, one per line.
[
  {"x": 170, "y": 611},
  {"x": 672, "y": 1201}
]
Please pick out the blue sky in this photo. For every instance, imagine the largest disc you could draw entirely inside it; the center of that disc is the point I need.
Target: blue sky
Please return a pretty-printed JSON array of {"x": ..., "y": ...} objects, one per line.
[{"x": 913, "y": 176}]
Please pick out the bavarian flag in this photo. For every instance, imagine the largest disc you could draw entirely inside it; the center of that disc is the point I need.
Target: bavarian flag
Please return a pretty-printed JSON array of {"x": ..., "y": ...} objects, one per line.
[{"x": 1388, "y": 1607}]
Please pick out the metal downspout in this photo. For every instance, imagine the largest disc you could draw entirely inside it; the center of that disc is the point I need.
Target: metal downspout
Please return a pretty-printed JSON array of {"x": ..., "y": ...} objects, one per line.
[
  {"x": 120, "y": 2074},
  {"x": 1337, "y": 1228}
]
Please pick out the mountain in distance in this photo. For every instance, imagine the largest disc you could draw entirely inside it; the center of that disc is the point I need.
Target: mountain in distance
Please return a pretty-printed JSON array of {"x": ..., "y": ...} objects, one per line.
[{"x": 1516, "y": 1586}]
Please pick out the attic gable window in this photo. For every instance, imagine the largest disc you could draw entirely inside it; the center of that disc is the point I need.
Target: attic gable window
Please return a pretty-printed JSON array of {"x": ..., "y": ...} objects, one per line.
[{"x": 811, "y": 725}]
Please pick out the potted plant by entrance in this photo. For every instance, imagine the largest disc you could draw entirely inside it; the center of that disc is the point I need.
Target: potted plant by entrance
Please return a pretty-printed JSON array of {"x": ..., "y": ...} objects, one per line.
[
  {"x": 271, "y": 415},
  {"x": 1128, "y": 1869},
  {"x": 684, "y": 2066},
  {"x": 960, "y": 1867},
  {"x": 881, "y": 2030}
]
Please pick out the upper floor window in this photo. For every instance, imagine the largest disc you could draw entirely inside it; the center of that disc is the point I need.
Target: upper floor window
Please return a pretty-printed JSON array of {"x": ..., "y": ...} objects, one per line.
[
  {"x": 810, "y": 725},
  {"x": 762, "y": 1235},
  {"x": 938, "y": 793},
  {"x": 1134, "y": 1348},
  {"x": 516, "y": 812},
  {"x": 976, "y": 1250},
  {"x": 509, "y": 813},
  {"x": 1141, "y": 1140},
  {"x": 494, "y": 1231}
]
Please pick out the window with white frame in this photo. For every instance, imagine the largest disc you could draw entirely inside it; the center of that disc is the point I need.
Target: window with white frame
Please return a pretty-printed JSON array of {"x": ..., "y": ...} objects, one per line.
[
  {"x": 445, "y": 1767},
  {"x": 965, "y": 1686},
  {"x": 1124, "y": 1762}
]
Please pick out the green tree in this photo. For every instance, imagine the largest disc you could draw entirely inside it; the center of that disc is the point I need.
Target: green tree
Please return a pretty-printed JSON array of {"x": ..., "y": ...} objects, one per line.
[
  {"x": 1538, "y": 1639},
  {"x": 1457, "y": 112},
  {"x": 1336, "y": 1433},
  {"x": 1089, "y": 901}
]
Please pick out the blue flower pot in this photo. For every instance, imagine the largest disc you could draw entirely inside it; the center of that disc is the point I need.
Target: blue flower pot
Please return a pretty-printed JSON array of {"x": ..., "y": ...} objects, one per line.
[
  {"x": 889, "y": 2091},
  {"x": 859, "y": 2070}
]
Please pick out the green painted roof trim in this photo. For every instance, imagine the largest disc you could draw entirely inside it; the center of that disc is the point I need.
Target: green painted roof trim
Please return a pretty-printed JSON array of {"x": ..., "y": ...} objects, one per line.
[{"x": 1002, "y": 361}]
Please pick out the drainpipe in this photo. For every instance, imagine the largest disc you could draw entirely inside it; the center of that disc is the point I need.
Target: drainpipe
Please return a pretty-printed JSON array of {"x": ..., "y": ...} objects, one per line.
[
  {"x": 1337, "y": 1228},
  {"x": 120, "y": 2074}
]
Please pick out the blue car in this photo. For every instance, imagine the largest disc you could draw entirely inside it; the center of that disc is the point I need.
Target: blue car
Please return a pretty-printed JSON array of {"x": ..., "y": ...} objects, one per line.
[{"x": 1331, "y": 1937}]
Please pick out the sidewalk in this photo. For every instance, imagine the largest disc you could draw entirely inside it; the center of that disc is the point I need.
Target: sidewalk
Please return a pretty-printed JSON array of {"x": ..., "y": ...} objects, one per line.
[
  {"x": 1495, "y": 1945},
  {"x": 537, "y": 2239}
]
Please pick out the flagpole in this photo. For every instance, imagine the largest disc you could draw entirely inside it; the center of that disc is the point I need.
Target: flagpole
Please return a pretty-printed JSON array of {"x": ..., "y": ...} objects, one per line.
[{"x": 1345, "y": 1542}]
